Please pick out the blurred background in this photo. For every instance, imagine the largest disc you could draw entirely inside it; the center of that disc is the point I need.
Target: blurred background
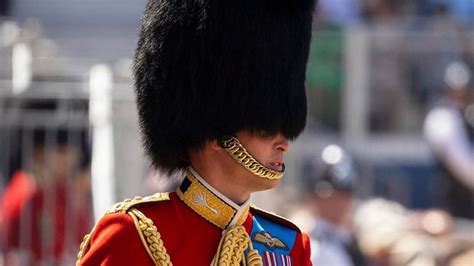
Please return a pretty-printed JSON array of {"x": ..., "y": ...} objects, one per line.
[{"x": 386, "y": 160}]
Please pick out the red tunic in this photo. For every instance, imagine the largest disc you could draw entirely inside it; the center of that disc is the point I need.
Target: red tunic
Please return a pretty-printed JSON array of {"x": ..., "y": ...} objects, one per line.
[{"x": 189, "y": 238}]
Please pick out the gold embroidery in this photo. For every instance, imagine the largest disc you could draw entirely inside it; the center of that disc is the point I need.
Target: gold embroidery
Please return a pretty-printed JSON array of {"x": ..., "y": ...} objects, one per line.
[
  {"x": 121, "y": 207},
  {"x": 241, "y": 155},
  {"x": 235, "y": 240},
  {"x": 83, "y": 246},
  {"x": 206, "y": 204},
  {"x": 128, "y": 203},
  {"x": 200, "y": 199}
]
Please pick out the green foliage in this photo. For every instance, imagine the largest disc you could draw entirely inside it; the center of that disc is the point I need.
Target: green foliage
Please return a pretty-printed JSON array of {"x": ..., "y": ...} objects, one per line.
[{"x": 325, "y": 70}]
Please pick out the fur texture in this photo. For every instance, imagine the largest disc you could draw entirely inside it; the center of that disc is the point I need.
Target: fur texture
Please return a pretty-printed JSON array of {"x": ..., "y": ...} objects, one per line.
[{"x": 208, "y": 68}]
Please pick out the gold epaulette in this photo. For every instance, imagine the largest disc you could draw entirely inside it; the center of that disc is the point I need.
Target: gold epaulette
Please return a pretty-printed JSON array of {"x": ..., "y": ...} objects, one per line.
[
  {"x": 149, "y": 235},
  {"x": 274, "y": 217},
  {"x": 125, "y": 205}
]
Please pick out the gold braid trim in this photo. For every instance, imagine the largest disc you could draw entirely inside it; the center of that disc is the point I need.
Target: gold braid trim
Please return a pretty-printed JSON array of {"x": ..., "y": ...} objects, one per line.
[
  {"x": 233, "y": 146},
  {"x": 82, "y": 247},
  {"x": 230, "y": 251},
  {"x": 150, "y": 237},
  {"x": 125, "y": 206},
  {"x": 253, "y": 259}
]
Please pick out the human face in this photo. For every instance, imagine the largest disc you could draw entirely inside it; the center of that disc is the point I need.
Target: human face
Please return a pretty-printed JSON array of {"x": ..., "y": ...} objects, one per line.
[
  {"x": 268, "y": 150},
  {"x": 462, "y": 97},
  {"x": 54, "y": 164}
]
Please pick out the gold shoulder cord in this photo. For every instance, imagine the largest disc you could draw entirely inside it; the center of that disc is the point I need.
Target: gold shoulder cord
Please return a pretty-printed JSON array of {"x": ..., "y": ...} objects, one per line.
[
  {"x": 149, "y": 235},
  {"x": 233, "y": 146},
  {"x": 232, "y": 246}
]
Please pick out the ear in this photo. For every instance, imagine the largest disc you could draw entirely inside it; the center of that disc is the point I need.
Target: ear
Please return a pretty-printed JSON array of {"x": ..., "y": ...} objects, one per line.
[{"x": 215, "y": 145}]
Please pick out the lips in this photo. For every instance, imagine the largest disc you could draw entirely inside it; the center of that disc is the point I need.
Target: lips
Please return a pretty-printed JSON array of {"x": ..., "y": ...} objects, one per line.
[{"x": 277, "y": 166}]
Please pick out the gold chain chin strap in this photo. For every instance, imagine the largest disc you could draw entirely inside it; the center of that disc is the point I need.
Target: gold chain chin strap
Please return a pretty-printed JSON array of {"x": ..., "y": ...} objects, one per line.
[
  {"x": 150, "y": 237},
  {"x": 232, "y": 246},
  {"x": 233, "y": 146}
]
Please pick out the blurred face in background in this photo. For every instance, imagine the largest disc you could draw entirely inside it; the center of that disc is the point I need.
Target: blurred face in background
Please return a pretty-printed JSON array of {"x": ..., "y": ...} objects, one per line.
[
  {"x": 334, "y": 207},
  {"x": 53, "y": 164},
  {"x": 462, "y": 96}
]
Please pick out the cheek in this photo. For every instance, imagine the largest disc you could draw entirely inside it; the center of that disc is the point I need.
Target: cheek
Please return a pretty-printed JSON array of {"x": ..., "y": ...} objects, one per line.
[
  {"x": 260, "y": 152},
  {"x": 259, "y": 148},
  {"x": 65, "y": 161}
]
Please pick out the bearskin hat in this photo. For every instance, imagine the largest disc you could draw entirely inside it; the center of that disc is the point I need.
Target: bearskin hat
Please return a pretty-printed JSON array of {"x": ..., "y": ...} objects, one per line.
[{"x": 205, "y": 69}]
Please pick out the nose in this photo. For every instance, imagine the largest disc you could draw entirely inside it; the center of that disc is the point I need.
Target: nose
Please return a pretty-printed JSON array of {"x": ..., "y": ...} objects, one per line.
[{"x": 282, "y": 144}]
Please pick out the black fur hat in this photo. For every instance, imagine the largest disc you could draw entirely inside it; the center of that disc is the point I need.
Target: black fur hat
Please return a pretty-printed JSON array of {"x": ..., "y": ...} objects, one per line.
[{"x": 205, "y": 69}]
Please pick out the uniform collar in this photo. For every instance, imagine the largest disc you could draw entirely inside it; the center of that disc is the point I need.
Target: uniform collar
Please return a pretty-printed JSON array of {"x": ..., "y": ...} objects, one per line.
[{"x": 209, "y": 203}]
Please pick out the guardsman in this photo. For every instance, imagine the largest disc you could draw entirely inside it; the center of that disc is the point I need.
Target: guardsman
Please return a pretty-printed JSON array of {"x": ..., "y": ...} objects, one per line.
[
  {"x": 449, "y": 130},
  {"x": 45, "y": 192},
  {"x": 220, "y": 92},
  {"x": 332, "y": 181}
]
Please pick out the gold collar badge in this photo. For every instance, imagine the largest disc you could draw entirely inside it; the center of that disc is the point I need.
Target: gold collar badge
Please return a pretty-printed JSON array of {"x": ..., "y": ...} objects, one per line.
[{"x": 208, "y": 205}]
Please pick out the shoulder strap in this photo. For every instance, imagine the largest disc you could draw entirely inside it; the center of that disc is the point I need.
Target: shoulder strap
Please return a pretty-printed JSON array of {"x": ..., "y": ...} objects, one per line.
[
  {"x": 151, "y": 238},
  {"x": 125, "y": 205},
  {"x": 274, "y": 217}
]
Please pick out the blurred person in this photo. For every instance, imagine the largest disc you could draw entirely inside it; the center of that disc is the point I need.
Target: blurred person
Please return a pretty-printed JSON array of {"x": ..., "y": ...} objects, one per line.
[
  {"x": 333, "y": 181},
  {"x": 449, "y": 130},
  {"x": 392, "y": 106},
  {"x": 462, "y": 258},
  {"x": 220, "y": 92},
  {"x": 442, "y": 37},
  {"x": 389, "y": 234},
  {"x": 44, "y": 207},
  {"x": 378, "y": 225},
  {"x": 461, "y": 10},
  {"x": 379, "y": 10}
]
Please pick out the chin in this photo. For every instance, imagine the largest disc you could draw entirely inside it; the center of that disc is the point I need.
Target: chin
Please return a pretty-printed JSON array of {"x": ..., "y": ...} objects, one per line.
[{"x": 266, "y": 184}]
